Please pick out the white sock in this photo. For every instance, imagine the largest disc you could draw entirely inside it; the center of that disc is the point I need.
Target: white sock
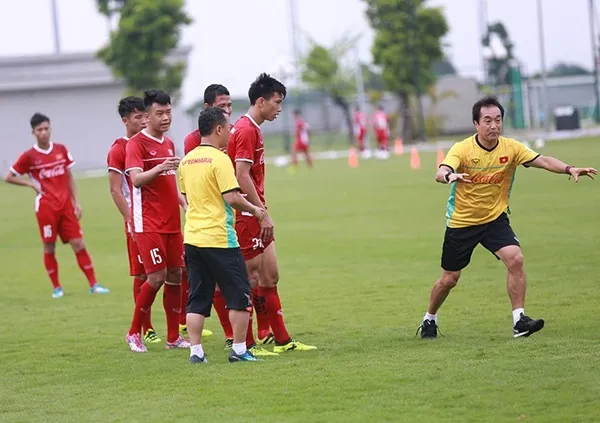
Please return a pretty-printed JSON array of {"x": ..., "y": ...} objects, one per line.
[
  {"x": 240, "y": 348},
  {"x": 430, "y": 317},
  {"x": 517, "y": 315},
  {"x": 197, "y": 350}
]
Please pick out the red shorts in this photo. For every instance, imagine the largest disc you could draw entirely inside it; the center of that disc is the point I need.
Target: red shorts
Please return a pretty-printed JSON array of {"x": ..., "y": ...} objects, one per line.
[
  {"x": 300, "y": 146},
  {"x": 136, "y": 266},
  {"x": 248, "y": 232},
  {"x": 382, "y": 136},
  {"x": 63, "y": 223},
  {"x": 160, "y": 251}
]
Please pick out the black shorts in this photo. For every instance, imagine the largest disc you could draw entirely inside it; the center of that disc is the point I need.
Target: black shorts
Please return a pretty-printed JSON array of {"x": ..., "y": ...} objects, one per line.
[
  {"x": 459, "y": 243},
  {"x": 206, "y": 266}
]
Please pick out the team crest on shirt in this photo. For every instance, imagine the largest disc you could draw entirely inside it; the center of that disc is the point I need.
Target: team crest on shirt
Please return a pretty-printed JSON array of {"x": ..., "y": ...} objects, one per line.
[
  {"x": 153, "y": 153},
  {"x": 59, "y": 157},
  {"x": 170, "y": 152},
  {"x": 503, "y": 159},
  {"x": 475, "y": 160}
]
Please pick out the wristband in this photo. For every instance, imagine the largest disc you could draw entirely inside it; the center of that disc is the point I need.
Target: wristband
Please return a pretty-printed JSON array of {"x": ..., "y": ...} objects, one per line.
[
  {"x": 568, "y": 170},
  {"x": 447, "y": 176}
]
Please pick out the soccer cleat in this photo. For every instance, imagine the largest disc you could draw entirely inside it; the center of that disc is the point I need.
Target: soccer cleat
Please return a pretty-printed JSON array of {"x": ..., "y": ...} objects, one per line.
[
  {"x": 151, "y": 337},
  {"x": 293, "y": 346},
  {"x": 259, "y": 351},
  {"x": 526, "y": 326},
  {"x": 58, "y": 292},
  {"x": 247, "y": 356},
  {"x": 429, "y": 329},
  {"x": 206, "y": 332},
  {"x": 180, "y": 343},
  {"x": 135, "y": 343},
  {"x": 183, "y": 331},
  {"x": 269, "y": 339},
  {"x": 228, "y": 344},
  {"x": 194, "y": 359},
  {"x": 99, "y": 289}
]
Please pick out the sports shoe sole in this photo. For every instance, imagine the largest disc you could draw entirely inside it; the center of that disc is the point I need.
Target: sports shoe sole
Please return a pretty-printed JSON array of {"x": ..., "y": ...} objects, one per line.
[{"x": 539, "y": 325}]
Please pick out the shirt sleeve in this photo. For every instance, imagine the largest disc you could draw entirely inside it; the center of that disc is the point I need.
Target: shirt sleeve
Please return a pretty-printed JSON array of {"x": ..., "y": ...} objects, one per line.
[
  {"x": 225, "y": 175},
  {"x": 454, "y": 157},
  {"x": 524, "y": 155},
  {"x": 115, "y": 160},
  {"x": 191, "y": 141},
  {"x": 70, "y": 160},
  {"x": 182, "y": 177},
  {"x": 134, "y": 157},
  {"x": 244, "y": 143},
  {"x": 21, "y": 166}
]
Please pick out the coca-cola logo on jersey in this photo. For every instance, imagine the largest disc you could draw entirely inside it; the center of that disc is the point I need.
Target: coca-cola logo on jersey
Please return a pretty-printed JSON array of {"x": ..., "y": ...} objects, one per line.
[
  {"x": 168, "y": 172},
  {"x": 57, "y": 170}
]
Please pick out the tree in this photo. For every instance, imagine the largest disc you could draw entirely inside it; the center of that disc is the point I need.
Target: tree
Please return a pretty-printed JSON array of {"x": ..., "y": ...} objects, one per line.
[
  {"x": 324, "y": 70},
  {"x": 137, "y": 51},
  {"x": 565, "y": 69},
  {"x": 443, "y": 67},
  {"x": 407, "y": 35},
  {"x": 499, "y": 51}
]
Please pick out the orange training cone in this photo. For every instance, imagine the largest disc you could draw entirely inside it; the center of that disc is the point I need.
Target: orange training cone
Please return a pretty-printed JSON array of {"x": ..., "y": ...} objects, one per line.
[
  {"x": 398, "y": 147},
  {"x": 415, "y": 160},
  {"x": 440, "y": 157},
  {"x": 353, "y": 158}
]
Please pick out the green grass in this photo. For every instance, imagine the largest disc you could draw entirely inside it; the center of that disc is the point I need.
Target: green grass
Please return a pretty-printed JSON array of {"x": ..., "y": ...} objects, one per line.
[{"x": 359, "y": 250}]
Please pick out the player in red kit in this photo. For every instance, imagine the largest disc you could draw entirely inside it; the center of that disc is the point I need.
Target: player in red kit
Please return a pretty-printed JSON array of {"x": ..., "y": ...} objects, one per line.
[
  {"x": 302, "y": 140},
  {"x": 56, "y": 205},
  {"x": 360, "y": 128},
  {"x": 246, "y": 150},
  {"x": 381, "y": 125},
  {"x": 151, "y": 164},
  {"x": 131, "y": 110}
]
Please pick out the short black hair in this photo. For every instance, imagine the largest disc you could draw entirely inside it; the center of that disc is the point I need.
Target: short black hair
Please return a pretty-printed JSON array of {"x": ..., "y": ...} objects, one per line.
[
  {"x": 486, "y": 102},
  {"x": 38, "y": 119},
  {"x": 209, "y": 119},
  {"x": 156, "y": 96},
  {"x": 265, "y": 86},
  {"x": 213, "y": 91},
  {"x": 128, "y": 105}
]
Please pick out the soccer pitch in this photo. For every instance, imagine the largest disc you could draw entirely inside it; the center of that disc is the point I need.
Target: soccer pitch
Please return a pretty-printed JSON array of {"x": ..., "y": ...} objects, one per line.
[{"x": 359, "y": 250}]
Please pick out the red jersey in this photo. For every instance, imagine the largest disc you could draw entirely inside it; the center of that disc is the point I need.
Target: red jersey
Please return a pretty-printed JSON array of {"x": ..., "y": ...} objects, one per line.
[
  {"x": 380, "y": 121},
  {"x": 115, "y": 161},
  {"x": 360, "y": 120},
  {"x": 155, "y": 206},
  {"x": 49, "y": 170},
  {"x": 191, "y": 141},
  {"x": 301, "y": 131},
  {"x": 246, "y": 145}
]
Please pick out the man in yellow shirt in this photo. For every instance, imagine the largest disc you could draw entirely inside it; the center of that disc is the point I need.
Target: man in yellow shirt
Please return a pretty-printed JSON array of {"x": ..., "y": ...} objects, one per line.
[
  {"x": 481, "y": 171},
  {"x": 212, "y": 251}
]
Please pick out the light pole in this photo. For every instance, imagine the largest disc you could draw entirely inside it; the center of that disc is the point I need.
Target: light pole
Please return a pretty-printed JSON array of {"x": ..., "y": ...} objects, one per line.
[
  {"x": 595, "y": 59},
  {"x": 285, "y": 72},
  {"x": 55, "y": 27},
  {"x": 545, "y": 105}
]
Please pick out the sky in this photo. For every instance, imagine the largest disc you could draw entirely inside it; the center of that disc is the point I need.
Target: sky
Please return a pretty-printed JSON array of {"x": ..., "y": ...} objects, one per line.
[{"x": 235, "y": 40}]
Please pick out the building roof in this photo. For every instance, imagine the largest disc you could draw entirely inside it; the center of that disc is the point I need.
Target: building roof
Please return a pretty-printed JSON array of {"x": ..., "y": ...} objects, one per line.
[{"x": 60, "y": 71}]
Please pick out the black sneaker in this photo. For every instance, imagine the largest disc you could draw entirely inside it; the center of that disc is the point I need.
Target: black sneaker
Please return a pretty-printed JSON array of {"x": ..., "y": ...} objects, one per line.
[
  {"x": 429, "y": 329},
  {"x": 526, "y": 326},
  {"x": 194, "y": 359},
  {"x": 228, "y": 344},
  {"x": 247, "y": 356}
]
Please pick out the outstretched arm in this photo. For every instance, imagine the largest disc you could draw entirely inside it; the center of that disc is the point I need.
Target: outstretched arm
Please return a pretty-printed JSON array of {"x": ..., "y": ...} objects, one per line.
[{"x": 555, "y": 165}]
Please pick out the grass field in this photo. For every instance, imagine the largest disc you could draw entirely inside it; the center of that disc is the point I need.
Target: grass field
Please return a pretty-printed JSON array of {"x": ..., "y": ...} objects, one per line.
[{"x": 359, "y": 250}]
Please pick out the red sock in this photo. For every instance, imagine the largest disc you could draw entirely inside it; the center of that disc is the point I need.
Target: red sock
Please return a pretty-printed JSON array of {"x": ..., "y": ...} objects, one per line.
[
  {"x": 86, "y": 266},
  {"x": 137, "y": 286},
  {"x": 262, "y": 318},
  {"x": 185, "y": 292},
  {"x": 171, "y": 303},
  {"x": 52, "y": 268},
  {"x": 273, "y": 306},
  {"x": 250, "y": 341},
  {"x": 143, "y": 304},
  {"x": 221, "y": 308}
]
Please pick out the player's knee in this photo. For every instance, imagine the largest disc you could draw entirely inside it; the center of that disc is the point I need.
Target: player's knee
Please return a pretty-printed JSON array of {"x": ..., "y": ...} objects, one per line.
[
  {"x": 174, "y": 276},
  {"x": 254, "y": 278},
  {"x": 515, "y": 262},
  {"x": 141, "y": 277},
  {"x": 77, "y": 244},
  {"x": 156, "y": 279},
  {"x": 270, "y": 278},
  {"x": 449, "y": 279},
  {"x": 49, "y": 248}
]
